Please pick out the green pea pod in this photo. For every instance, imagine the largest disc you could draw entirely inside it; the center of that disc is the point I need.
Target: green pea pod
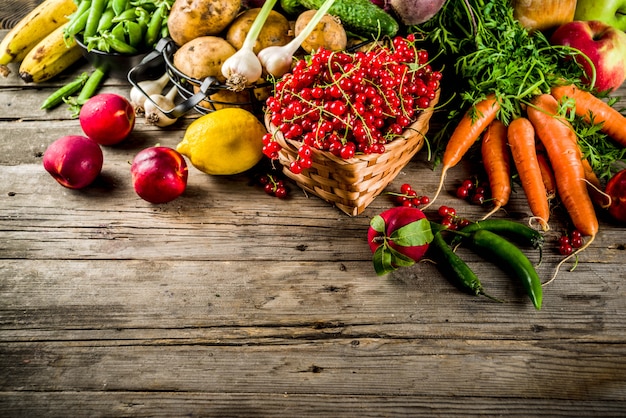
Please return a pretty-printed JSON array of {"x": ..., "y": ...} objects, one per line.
[
  {"x": 75, "y": 27},
  {"x": 134, "y": 33},
  {"x": 128, "y": 14},
  {"x": 95, "y": 12},
  {"x": 106, "y": 20},
  {"x": 89, "y": 89},
  {"x": 154, "y": 27},
  {"x": 118, "y": 31},
  {"x": 119, "y": 6},
  {"x": 67, "y": 90},
  {"x": 120, "y": 46},
  {"x": 503, "y": 253}
]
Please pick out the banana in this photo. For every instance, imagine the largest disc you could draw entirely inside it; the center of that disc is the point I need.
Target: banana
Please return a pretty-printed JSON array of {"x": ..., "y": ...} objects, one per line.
[
  {"x": 49, "y": 57},
  {"x": 33, "y": 28}
]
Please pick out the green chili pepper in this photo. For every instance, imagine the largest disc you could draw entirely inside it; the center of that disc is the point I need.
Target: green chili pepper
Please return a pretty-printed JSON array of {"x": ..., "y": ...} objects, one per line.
[
  {"x": 454, "y": 268},
  {"x": 67, "y": 90},
  {"x": 503, "y": 253},
  {"x": 95, "y": 12},
  {"x": 519, "y": 232}
]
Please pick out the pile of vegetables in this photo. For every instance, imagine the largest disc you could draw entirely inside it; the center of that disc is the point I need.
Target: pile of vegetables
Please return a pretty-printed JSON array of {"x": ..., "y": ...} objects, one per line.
[{"x": 518, "y": 87}]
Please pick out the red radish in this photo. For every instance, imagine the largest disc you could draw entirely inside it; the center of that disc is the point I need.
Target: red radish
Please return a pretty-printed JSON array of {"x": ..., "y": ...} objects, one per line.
[
  {"x": 159, "y": 174},
  {"x": 74, "y": 161},
  {"x": 398, "y": 237},
  {"x": 107, "y": 118},
  {"x": 616, "y": 188}
]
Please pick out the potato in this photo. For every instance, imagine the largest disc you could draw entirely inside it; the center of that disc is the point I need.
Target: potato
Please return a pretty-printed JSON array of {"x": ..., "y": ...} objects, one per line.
[
  {"x": 190, "y": 19},
  {"x": 228, "y": 98},
  {"x": 203, "y": 57},
  {"x": 328, "y": 33},
  {"x": 276, "y": 30}
]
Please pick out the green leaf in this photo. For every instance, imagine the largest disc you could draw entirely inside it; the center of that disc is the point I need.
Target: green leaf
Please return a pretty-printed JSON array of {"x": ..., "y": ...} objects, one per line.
[
  {"x": 414, "y": 234},
  {"x": 378, "y": 224},
  {"x": 400, "y": 260},
  {"x": 382, "y": 260}
]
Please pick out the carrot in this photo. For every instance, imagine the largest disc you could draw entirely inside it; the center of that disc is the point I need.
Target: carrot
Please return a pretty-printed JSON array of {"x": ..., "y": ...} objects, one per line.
[
  {"x": 521, "y": 137},
  {"x": 594, "y": 187},
  {"x": 559, "y": 139},
  {"x": 546, "y": 174},
  {"x": 496, "y": 160},
  {"x": 590, "y": 107},
  {"x": 466, "y": 133}
]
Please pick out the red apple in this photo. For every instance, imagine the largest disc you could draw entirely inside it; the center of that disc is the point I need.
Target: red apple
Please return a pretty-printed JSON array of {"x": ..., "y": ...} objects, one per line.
[
  {"x": 159, "y": 174},
  {"x": 604, "y": 45},
  {"x": 74, "y": 161},
  {"x": 107, "y": 118},
  {"x": 398, "y": 237},
  {"x": 616, "y": 188}
]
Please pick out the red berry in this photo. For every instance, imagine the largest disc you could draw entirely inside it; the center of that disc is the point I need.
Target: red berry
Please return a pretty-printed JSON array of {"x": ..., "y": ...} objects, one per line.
[{"x": 566, "y": 249}]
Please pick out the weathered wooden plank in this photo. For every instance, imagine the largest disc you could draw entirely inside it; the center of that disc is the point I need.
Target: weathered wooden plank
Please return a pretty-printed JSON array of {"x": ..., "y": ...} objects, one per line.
[
  {"x": 225, "y": 405},
  {"x": 243, "y": 300},
  {"x": 365, "y": 366}
]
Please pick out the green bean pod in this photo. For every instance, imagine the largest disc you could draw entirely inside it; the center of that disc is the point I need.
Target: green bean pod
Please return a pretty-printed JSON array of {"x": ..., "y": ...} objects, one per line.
[{"x": 503, "y": 253}]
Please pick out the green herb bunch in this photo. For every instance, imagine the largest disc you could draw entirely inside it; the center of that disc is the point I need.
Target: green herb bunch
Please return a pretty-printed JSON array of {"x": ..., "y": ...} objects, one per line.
[{"x": 489, "y": 51}]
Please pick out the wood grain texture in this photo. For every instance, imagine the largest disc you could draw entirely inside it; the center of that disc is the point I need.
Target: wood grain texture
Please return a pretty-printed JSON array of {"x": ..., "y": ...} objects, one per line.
[{"x": 228, "y": 302}]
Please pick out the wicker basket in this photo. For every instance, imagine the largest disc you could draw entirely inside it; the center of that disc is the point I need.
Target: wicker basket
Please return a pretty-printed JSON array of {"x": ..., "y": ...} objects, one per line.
[{"x": 353, "y": 184}]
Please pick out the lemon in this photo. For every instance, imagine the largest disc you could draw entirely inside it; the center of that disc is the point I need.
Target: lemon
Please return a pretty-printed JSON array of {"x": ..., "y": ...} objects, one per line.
[{"x": 223, "y": 142}]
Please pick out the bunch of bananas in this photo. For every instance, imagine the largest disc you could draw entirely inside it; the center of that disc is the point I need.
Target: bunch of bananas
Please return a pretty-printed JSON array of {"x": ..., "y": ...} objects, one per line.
[{"x": 37, "y": 42}]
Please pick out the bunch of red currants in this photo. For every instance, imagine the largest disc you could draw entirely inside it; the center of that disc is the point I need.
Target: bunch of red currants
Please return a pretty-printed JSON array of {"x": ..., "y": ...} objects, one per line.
[{"x": 351, "y": 102}]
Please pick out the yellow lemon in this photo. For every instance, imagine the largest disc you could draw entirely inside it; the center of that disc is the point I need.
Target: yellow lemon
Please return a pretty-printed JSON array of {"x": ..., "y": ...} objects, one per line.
[{"x": 223, "y": 142}]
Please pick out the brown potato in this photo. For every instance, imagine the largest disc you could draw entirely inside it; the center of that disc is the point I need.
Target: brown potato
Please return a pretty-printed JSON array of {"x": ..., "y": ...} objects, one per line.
[
  {"x": 328, "y": 33},
  {"x": 190, "y": 19},
  {"x": 203, "y": 57},
  {"x": 276, "y": 30}
]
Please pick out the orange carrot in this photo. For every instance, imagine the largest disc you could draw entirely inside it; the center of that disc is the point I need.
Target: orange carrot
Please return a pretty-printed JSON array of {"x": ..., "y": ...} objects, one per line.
[
  {"x": 521, "y": 137},
  {"x": 496, "y": 160},
  {"x": 466, "y": 133},
  {"x": 594, "y": 187},
  {"x": 591, "y": 107},
  {"x": 559, "y": 139},
  {"x": 546, "y": 174}
]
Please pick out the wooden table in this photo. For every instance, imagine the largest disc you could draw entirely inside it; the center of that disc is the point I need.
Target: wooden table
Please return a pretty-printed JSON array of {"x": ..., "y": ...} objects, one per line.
[{"x": 229, "y": 302}]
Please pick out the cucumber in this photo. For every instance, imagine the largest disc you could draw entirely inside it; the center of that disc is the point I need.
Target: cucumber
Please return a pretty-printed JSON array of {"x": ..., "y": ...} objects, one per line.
[{"x": 359, "y": 16}]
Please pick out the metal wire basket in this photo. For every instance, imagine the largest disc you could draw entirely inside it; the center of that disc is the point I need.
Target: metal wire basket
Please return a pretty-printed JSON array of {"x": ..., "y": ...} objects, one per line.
[{"x": 205, "y": 95}]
